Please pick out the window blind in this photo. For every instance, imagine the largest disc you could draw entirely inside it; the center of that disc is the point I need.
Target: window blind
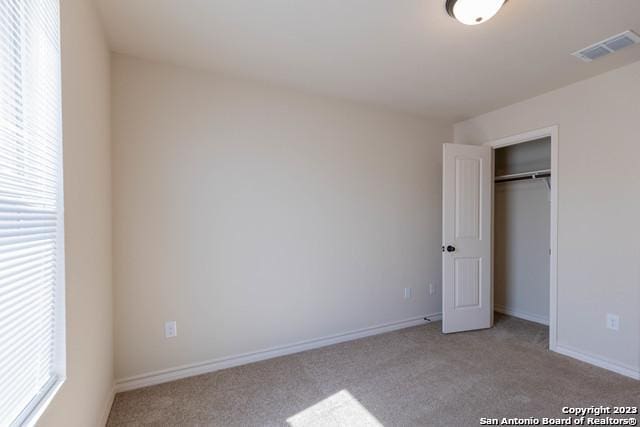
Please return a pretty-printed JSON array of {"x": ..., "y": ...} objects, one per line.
[{"x": 31, "y": 272}]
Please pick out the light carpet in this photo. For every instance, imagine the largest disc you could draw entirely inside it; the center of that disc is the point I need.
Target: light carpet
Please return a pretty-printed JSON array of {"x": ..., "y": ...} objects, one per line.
[{"x": 412, "y": 377}]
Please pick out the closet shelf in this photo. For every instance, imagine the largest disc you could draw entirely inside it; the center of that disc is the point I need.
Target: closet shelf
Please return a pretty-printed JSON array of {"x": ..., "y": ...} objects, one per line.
[{"x": 543, "y": 173}]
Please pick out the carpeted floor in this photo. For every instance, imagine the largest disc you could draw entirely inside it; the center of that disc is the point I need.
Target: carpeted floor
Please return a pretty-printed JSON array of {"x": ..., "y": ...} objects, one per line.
[{"x": 412, "y": 377}]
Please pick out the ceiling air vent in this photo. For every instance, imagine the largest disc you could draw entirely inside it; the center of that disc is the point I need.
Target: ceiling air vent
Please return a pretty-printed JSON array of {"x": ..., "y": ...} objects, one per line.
[{"x": 605, "y": 47}]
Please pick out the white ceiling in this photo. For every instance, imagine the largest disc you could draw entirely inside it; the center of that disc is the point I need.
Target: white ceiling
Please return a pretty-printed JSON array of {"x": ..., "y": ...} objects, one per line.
[{"x": 404, "y": 54}]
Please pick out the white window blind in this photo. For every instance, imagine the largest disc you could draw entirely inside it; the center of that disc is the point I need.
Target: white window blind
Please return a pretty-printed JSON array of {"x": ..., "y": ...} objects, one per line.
[{"x": 31, "y": 253}]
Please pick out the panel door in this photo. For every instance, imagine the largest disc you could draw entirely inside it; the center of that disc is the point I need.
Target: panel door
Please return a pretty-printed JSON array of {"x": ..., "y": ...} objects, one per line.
[{"x": 466, "y": 244}]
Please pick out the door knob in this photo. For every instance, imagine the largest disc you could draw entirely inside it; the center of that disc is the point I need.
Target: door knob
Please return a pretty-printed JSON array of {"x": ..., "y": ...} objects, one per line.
[{"x": 451, "y": 248}]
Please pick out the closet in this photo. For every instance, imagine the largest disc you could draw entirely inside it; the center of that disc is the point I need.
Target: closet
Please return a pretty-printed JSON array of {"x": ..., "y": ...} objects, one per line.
[{"x": 521, "y": 229}]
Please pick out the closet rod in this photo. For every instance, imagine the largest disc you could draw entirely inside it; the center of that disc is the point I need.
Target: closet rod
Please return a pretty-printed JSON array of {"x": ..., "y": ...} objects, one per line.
[{"x": 544, "y": 173}]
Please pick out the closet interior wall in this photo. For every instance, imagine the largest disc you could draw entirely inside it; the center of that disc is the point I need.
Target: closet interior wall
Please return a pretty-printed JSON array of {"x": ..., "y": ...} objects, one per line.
[{"x": 521, "y": 232}]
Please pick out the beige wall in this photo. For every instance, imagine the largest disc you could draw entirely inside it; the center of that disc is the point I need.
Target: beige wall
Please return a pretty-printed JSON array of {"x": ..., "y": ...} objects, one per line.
[
  {"x": 83, "y": 398},
  {"x": 259, "y": 217},
  {"x": 599, "y": 205}
]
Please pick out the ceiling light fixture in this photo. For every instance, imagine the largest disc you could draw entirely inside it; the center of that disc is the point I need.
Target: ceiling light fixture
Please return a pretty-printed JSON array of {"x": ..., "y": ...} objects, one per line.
[{"x": 473, "y": 12}]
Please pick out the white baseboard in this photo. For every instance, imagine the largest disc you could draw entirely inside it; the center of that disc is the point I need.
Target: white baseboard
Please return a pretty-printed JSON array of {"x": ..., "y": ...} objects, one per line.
[
  {"x": 521, "y": 315},
  {"x": 601, "y": 362},
  {"x": 166, "y": 375},
  {"x": 108, "y": 405}
]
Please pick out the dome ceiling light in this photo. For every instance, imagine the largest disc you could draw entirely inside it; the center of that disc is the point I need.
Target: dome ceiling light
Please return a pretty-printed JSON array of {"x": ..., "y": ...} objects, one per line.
[{"x": 473, "y": 12}]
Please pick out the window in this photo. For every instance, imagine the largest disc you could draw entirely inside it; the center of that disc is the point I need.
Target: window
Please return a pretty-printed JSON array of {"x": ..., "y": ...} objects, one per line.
[{"x": 31, "y": 215}]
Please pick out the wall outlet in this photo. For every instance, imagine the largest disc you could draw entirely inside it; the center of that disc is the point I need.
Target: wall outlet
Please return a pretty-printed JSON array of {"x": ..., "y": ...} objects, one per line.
[
  {"x": 613, "y": 321},
  {"x": 170, "y": 329},
  {"x": 432, "y": 289},
  {"x": 407, "y": 293}
]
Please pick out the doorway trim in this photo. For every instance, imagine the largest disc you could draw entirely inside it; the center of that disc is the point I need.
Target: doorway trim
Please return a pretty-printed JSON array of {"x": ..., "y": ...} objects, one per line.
[{"x": 551, "y": 132}]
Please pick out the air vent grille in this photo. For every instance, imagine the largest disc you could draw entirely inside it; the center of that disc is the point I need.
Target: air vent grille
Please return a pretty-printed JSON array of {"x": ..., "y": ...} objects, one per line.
[{"x": 605, "y": 47}]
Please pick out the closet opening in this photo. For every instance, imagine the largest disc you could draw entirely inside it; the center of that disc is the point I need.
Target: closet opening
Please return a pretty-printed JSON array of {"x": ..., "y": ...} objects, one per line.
[{"x": 525, "y": 227}]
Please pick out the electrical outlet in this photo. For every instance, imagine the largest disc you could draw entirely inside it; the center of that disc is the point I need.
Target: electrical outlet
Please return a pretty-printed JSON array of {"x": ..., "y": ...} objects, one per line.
[
  {"x": 432, "y": 290},
  {"x": 407, "y": 293},
  {"x": 613, "y": 321},
  {"x": 170, "y": 329}
]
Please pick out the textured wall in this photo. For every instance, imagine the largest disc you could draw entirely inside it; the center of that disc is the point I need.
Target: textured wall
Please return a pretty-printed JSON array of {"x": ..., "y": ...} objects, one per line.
[
  {"x": 259, "y": 217},
  {"x": 599, "y": 205},
  {"x": 83, "y": 399}
]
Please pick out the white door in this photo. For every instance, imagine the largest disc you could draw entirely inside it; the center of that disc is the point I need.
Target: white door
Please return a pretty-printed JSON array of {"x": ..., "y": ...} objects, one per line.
[{"x": 467, "y": 297}]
